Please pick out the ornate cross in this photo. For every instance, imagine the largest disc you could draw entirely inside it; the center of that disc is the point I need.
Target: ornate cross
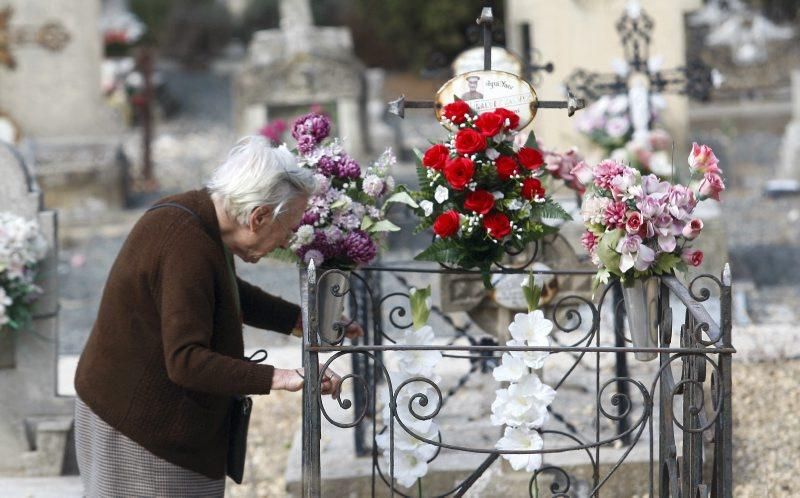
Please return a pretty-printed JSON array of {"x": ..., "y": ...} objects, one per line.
[
  {"x": 486, "y": 20},
  {"x": 51, "y": 36},
  {"x": 639, "y": 78}
]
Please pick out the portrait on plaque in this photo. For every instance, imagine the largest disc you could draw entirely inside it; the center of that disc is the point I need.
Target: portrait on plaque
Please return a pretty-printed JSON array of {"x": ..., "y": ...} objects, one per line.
[{"x": 488, "y": 90}]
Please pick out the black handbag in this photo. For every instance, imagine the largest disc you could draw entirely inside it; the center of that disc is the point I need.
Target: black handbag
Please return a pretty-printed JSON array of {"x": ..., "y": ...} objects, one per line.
[{"x": 241, "y": 406}]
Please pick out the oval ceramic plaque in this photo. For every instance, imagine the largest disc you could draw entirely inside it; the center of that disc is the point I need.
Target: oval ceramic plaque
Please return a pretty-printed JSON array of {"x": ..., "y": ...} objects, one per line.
[{"x": 485, "y": 91}]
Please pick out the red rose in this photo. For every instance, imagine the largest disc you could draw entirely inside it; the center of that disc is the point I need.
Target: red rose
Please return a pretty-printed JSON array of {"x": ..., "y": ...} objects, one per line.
[
  {"x": 511, "y": 116},
  {"x": 496, "y": 225},
  {"x": 532, "y": 187},
  {"x": 446, "y": 225},
  {"x": 458, "y": 172},
  {"x": 469, "y": 141},
  {"x": 530, "y": 158},
  {"x": 455, "y": 111},
  {"x": 480, "y": 201},
  {"x": 490, "y": 123},
  {"x": 436, "y": 157},
  {"x": 506, "y": 167}
]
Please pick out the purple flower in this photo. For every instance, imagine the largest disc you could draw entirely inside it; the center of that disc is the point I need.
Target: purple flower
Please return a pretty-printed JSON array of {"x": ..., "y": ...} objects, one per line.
[
  {"x": 634, "y": 254},
  {"x": 349, "y": 168},
  {"x": 359, "y": 247},
  {"x": 313, "y": 124},
  {"x": 309, "y": 218},
  {"x": 327, "y": 165},
  {"x": 306, "y": 144},
  {"x": 315, "y": 255}
]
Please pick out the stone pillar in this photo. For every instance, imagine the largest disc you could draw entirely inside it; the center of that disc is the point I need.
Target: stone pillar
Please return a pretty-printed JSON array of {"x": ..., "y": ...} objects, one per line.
[{"x": 31, "y": 414}]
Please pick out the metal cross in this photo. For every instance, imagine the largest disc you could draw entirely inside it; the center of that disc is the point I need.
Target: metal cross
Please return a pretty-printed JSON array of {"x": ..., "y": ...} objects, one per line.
[
  {"x": 635, "y": 27},
  {"x": 51, "y": 36},
  {"x": 486, "y": 20}
]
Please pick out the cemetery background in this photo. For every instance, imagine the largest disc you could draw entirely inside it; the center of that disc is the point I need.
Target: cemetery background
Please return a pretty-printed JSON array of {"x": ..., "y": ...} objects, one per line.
[{"x": 762, "y": 237}]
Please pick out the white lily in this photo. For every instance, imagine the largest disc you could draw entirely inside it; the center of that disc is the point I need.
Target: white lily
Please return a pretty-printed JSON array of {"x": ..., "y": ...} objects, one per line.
[{"x": 518, "y": 439}]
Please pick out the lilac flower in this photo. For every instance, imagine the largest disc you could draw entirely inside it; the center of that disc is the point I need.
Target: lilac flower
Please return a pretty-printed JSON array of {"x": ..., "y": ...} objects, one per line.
[
  {"x": 359, "y": 247},
  {"x": 348, "y": 168},
  {"x": 315, "y": 125},
  {"x": 635, "y": 254},
  {"x": 373, "y": 185}
]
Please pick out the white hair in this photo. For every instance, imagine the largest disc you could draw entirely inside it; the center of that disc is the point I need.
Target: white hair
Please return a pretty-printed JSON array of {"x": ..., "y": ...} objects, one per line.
[{"x": 256, "y": 174}]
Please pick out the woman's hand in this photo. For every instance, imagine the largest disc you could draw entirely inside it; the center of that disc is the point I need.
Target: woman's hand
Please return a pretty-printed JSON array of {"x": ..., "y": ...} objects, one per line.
[
  {"x": 293, "y": 380},
  {"x": 353, "y": 330}
]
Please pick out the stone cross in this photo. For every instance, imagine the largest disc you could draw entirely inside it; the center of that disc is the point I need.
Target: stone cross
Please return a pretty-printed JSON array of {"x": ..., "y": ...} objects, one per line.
[
  {"x": 297, "y": 23},
  {"x": 51, "y": 36},
  {"x": 638, "y": 74},
  {"x": 30, "y": 407}
]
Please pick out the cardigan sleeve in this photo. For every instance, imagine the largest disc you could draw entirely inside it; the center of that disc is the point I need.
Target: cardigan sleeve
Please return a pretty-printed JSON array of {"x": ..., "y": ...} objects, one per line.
[
  {"x": 265, "y": 311},
  {"x": 187, "y": 302}
]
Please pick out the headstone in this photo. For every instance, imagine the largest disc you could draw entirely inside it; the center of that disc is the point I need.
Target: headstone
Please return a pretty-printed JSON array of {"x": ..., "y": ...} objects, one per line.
[
  {"x": 69, "y": 136},
  {"x": 34, "y": 421},
  {"x": 300, "y": 65},
  {"x": 591, "y": 42},
  {"x": 787, "y": 179},
  {"x": 472, "y": 60}
]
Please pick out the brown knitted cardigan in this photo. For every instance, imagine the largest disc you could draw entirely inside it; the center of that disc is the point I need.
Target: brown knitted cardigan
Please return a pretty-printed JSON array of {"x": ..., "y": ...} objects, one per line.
[{"x": 165, "y": 354}]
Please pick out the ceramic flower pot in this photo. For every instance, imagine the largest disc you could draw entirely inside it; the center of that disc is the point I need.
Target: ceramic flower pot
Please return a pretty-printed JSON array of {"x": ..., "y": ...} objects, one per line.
[
  {"x": 332, "y": 290},
  {"x": 641, "y": 308}
]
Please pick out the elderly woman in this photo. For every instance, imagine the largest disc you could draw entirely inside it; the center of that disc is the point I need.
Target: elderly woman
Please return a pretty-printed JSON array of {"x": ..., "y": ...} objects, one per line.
[{"x": 165, "y": 358}]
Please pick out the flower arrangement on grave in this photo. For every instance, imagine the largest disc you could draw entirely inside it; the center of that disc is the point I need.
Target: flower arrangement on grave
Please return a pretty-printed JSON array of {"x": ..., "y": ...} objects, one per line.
[
  {"x": 346, "y": 219},
  {"x": 411, "y": 454},
  {"x": 273, "y": 131},
  {"x": 561, "y": 164},
  {"x": 522, "y": 406},
  {"x": 639, "y": 226},
  {"x": 22, "y": 246},
  {"x": 607, "y": 124},
  {"x": 481, "y": 191}
]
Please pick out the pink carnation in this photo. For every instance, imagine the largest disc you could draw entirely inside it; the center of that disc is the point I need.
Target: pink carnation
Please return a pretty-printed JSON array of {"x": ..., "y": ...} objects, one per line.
[
  {"x": 605, "y": 172},
  {"x": 589, "y": 241},
  {"x": 614, "y": 215}
]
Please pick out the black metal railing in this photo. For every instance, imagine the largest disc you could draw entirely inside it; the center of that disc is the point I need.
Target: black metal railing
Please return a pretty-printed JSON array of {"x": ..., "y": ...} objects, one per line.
[{"x": 678, "y": 407}]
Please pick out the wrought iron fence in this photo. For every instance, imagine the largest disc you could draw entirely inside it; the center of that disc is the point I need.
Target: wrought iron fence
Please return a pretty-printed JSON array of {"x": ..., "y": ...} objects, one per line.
[{"x": 679, "y": 410}]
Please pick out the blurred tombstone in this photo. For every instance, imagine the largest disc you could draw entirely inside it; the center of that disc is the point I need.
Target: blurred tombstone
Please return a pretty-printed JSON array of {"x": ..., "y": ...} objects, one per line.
[
  {"x": 788, "y": 176},
  {"x": 53, "y": 94},
  {"x": 472, "y": 60},
  {"x": 34, "y": 422},
  {"x": 298, "y": 66}
]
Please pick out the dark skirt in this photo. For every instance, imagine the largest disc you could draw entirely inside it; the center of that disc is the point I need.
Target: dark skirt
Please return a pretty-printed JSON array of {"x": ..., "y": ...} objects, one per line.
[{"x": 112, "y": 465}]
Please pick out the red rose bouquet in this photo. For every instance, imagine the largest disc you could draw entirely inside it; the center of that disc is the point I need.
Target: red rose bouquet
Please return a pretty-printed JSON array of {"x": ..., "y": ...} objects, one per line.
[{"x": 480, "y": 191}]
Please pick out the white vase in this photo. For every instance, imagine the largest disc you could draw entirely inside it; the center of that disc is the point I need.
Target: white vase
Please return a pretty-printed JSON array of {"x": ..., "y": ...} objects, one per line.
[
  {"x": 332, "y": 290},
  {"x": 641, "y": 308}
]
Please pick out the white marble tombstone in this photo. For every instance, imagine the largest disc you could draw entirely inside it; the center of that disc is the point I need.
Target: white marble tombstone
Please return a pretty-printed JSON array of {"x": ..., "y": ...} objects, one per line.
[
  {"x": 788, "y": 174},
  {"x": 31, "y": 414}
]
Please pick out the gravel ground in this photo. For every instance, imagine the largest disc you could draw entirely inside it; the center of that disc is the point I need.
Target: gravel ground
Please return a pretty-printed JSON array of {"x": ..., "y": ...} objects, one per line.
[{"x": 766, "y": 431}]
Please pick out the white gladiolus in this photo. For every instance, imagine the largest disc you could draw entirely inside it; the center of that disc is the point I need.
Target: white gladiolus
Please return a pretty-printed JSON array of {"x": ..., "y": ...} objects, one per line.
[{"x": 518, "y": 439}]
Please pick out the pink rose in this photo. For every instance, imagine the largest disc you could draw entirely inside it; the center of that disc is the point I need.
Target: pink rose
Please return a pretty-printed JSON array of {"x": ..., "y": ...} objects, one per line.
[
  {"x": 711, "y": 186},
  {"x": 693, "y": 228},
  {"x": 583, "y": 172},
  {"x": 634, "y": 222},
  {"x": 702, "y": 160},
  {"x": 692, "y": 257}
]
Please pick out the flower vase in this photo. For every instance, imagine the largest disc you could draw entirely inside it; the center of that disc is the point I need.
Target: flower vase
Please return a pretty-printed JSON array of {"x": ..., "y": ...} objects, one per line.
[
  {"x": 333, "y": 287},
  {"x": 641, "y": 308},
  {"x": 8, "y": 348}
]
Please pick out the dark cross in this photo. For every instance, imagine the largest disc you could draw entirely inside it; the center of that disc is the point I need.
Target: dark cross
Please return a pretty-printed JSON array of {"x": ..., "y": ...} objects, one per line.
[
  {"x": 51, "y": 36},
  {"x": 694, "y": 79},
  {"x": 530, "y": 55},
  {"x": 486, "y": 20}
]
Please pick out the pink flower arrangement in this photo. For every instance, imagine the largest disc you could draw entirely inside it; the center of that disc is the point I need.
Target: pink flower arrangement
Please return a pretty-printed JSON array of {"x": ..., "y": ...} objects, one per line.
[{"x": 638, "y": 226}]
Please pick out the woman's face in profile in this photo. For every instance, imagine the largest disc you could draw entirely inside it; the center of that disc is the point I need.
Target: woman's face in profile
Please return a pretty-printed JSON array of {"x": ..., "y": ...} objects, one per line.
[{"x": 265, "y": 233}]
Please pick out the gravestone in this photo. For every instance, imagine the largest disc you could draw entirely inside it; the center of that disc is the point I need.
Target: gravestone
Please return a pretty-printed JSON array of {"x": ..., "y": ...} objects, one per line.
[
  {"x": 582, "y": 35},
  {"x": 68, "y": 135},
  {"x": 299, "y": 65},
  {"x": 787, "y": 179},
  {"x": 34, "y": 421}
]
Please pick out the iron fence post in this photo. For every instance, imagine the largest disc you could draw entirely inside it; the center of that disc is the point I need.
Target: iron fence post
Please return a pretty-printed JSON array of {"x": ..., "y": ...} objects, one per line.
[
  {"x": 621, "y": 364},
  {"x": 726, "y": 385},
  {"x": 311, "y": 396}
]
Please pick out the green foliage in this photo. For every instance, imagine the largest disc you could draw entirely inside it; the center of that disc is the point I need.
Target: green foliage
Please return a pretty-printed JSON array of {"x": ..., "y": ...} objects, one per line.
[{"x": 420, "y": 307}]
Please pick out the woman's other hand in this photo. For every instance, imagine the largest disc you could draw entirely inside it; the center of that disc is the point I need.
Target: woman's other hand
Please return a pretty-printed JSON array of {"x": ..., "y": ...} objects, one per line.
[{"x": 292, "y": 380}]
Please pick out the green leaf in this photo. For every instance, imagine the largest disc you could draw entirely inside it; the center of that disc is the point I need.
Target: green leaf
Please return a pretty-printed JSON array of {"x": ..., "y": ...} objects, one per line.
[
  {"x": 552, "y": 210},
  {"x": 665, "y": 263},
  {"x": 420, "y": 307},
  {"x": 283, "y": 254},
  {"x": 532, "y": 292},
  {"x": 403, "y": 198},
  {"x": 441, "y": 251},
  {"x": 337, "y": 204},
  {"x": 366, "y": 223},
  {"x": 383, "y": 226}
]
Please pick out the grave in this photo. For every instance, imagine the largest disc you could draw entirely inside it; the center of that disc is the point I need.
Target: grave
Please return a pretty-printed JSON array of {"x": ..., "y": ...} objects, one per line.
[
  {"x": 787, "y": 178},
  {"x": 300, "y": 65},
  {"x": 51, "y": 91},
  {"x": 35, "y": 423}
]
